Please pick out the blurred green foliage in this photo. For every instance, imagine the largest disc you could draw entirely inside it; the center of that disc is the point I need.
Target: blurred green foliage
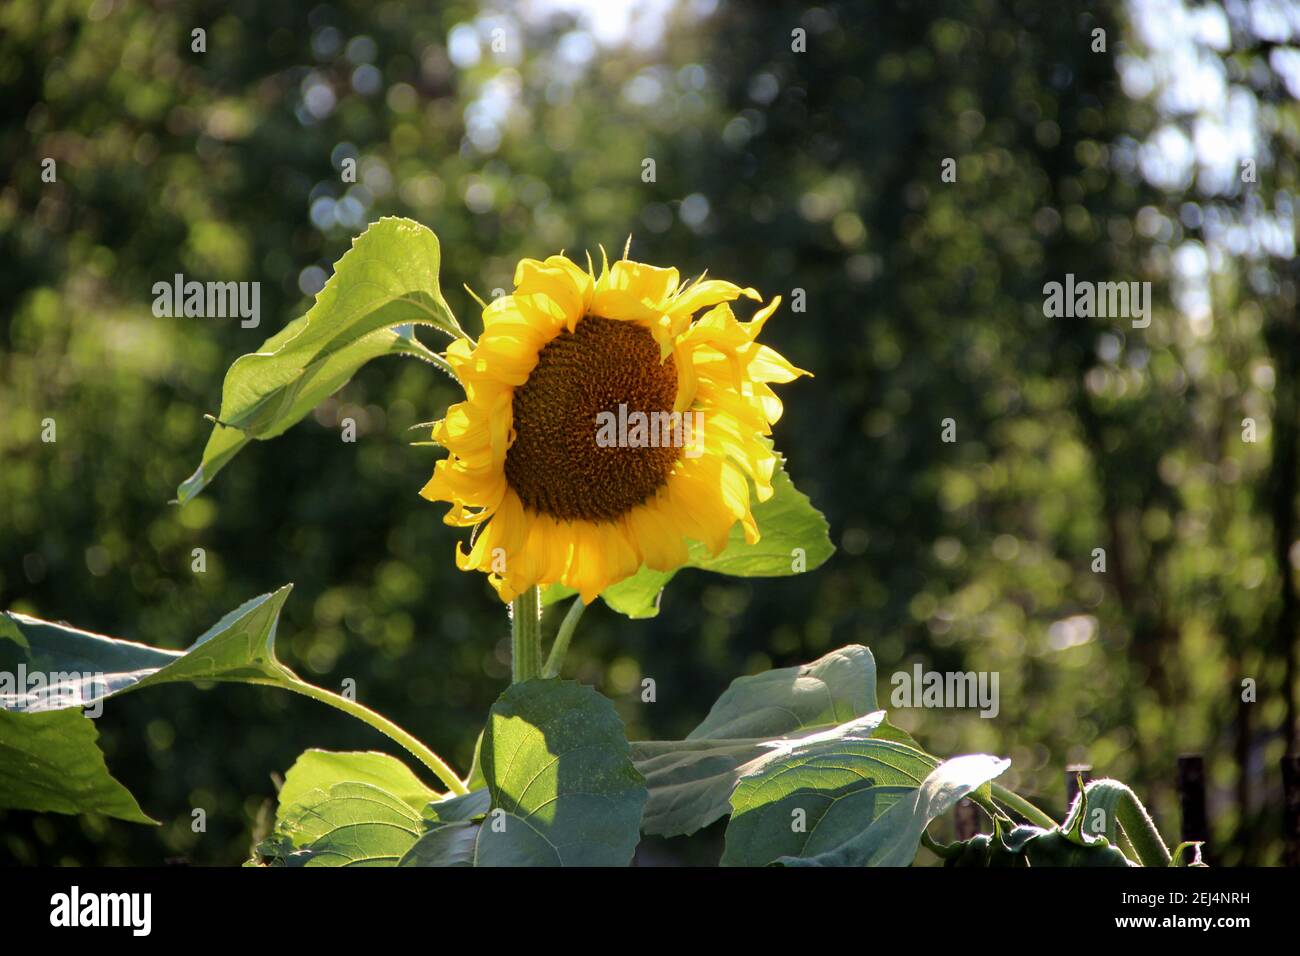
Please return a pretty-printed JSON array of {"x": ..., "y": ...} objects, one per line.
[{"x": 815, "y": 171}]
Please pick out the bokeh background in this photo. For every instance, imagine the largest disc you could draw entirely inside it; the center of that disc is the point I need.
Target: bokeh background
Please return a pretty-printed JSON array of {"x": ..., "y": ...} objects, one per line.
[{"x": 816, "y": 170}]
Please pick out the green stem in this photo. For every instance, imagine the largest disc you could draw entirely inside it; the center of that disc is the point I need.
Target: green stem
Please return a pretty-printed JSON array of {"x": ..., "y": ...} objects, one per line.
[
  {"x": 1140, "y": 829},
  {"x": 555, "y": 660},
  {"x": 526, "y": 636},
  {"x": 1023, "y": 807},
  {"x": 385, "y": 727},
  {"x": 945, "y": 851},
  {"x": 989, "y": 806}
]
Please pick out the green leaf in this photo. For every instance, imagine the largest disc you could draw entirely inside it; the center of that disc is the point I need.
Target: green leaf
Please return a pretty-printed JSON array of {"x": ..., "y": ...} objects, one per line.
[
  {"x": 1030, "y": 846},
  {"x": 346, "y": 824},
  {"x": 51, "y": 763},
  {"x": 1088, "y": 837},
  {"x": 561, "y": 786},
  {"x": 79, "y": 668},
  {"x": 356, "y": 809},
  {"x": 757, "y": 718},
  {"x": 459, "y": 809},
  {"x": 834, "y": 688},
  {"x": 787, "y": 521},
  {"x": 321, "y": 769},
  {"x": 891, "y": 837},
  {"x": 49, "y": 759},
  {"x": 820, "y": 796},
  {"x": 52, "y": 668},
  {"x": 636, "y": 597},
  {"x": 385, "y": 283},
  {"x": 474, "y": 779},
  {"x": 1055, "y": 848}
]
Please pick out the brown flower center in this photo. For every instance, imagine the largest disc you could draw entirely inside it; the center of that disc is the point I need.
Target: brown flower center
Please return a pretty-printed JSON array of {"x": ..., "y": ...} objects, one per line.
[{"x": 556, "y": 464}]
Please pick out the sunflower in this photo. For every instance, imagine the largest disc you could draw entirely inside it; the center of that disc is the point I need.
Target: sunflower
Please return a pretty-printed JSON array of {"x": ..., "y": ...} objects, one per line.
[{"x": 563, "y": 364}]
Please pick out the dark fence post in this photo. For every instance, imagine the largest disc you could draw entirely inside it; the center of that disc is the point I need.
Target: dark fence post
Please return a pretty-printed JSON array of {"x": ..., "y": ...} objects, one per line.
[
  {"x": 1191, "y": 797},
  {"x": 1072, "y": 774},
  {"x": 1191, "y": 800},
  {"x": 1291, "y": 809}
]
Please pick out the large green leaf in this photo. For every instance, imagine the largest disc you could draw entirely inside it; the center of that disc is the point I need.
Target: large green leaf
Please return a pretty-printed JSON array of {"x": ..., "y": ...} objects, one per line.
[
  {"x": 855, "y": 838},
  {"x": 63, "y": 668},
  {"x": 562, "y": 790},
  {"x": 819, "y": 796},
  {"x": 50, "y": 762},
  {"x": 756, "y": 720},
  {"x": 346, "y": 824},
  {"x": 48, "y": 753},
  {"x": 834, "y": 688},
  {"x": 787, "y": 521},
  {"x": 82, "y": 667},
  {"x": 49, "y": 758},
  {"x": 321, "y": 769},
  {"x": 453, "y": 844},
  {"x": 356, "y": 809},
  {"x": 385, "y": 283}
]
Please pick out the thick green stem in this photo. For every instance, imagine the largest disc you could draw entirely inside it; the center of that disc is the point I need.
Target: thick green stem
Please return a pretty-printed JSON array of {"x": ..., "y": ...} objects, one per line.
[
  {"x": 526, "y": 636},
  {"x": 1022, "y": 806},
  {"x": 555, "y": 660},
  {"x": 1139, "y": 827},
  {"x": 384, "y": 726}
]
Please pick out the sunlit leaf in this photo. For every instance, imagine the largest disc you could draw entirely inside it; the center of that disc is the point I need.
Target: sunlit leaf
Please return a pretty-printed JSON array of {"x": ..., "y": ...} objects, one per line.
[
  {"x": 866, "y": 828},
  {"x": 561, "y": 787},
  {"x": 756, "y": 720},
  {"x": 51, "y": 763},
  {"x": 795, "y": 538},
  {"x": 65, "y": 669},
  {"x": 385, "y": 283}
]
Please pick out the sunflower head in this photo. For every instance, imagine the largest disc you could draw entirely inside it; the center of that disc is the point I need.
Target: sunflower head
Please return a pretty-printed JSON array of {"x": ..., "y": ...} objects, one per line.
[{"x": 605, "y": 425}]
